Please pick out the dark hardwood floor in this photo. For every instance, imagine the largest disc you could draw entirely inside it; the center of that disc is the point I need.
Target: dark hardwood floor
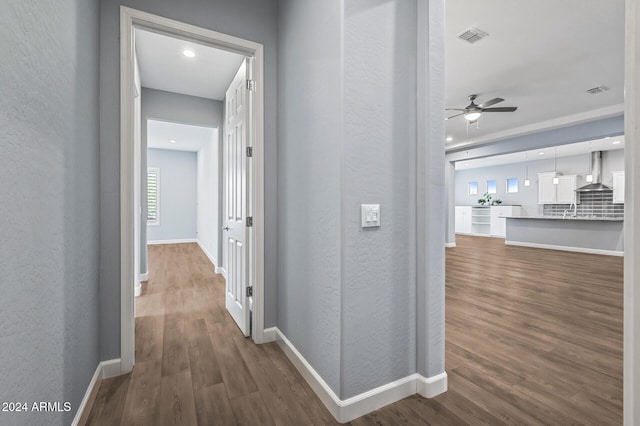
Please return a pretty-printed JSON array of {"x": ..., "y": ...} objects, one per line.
[{"x": 534, "y": 337}]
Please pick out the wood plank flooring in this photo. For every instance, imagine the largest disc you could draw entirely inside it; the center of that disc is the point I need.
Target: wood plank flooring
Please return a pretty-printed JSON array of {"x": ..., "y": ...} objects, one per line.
[{"x": 534, "y": 337}]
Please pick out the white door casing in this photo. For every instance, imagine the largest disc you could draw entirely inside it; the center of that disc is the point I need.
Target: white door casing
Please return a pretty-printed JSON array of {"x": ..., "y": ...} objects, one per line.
[
  {"x": 130, "y": 18},
  {"x": 236, "y": 167}
]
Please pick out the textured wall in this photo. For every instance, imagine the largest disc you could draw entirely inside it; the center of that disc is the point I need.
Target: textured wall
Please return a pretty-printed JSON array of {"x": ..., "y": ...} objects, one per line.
[
  {"x": 527, "y": 197},
  {"x": 168, "y": 106},
  {"x": 50, "y": 216},
  {"x": 379, "y": 150},
  {"x": 250, "y": 19},
  {"x": 309, "y": 180},
  {"x": 178, "y": 194}
]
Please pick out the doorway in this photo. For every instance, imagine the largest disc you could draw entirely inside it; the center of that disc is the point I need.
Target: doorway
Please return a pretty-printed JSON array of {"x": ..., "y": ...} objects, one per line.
[{"x": 131, "y": 165}]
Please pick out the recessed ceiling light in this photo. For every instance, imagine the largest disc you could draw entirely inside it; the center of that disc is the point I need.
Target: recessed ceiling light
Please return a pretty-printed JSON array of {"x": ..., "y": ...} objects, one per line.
[
  {"x": 615, "y": 142},
  {"x": 449, "y": 139},
  {"x": 607, "y": 137},
  {"x": 541, "y": 153},
  {"x": 172, "y": 141},
  {"x": 189, "y": 53}
]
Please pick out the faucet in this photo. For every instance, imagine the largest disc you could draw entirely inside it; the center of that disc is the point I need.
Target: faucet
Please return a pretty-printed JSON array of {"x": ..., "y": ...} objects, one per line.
[{"x": 573, "y": 208}]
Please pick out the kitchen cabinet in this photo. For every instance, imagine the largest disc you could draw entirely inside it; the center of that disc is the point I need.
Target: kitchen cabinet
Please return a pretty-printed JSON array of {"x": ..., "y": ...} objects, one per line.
[
  {"x": 546, "y": 188},
  {"x": 618, "y": 187},
  {"x": 562, "y": 193},
  {"x": 498, "y": 221},
  {"x": 463, "y": 219},
  {"x": 566, "y": 189},
  {"x": 481, "y": 220}
]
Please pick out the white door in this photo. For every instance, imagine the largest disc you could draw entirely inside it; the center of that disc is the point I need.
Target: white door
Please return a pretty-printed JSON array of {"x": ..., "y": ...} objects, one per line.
[{"x": 236, "y": 169}]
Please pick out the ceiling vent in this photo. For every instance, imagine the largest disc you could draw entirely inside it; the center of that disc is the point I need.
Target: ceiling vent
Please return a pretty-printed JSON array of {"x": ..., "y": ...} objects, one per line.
[
  {"x": 472, "y": 35},
  {"x": 596, "y": 90}
]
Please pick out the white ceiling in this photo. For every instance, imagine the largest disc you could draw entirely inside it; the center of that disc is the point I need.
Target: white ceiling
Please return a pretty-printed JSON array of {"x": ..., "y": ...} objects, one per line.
[
  {"x": 606, "y": 144},
  {"x": 186, "y": 137},
  {"x": 163, "y": 66},
  {"x": 540, "y": 56}
]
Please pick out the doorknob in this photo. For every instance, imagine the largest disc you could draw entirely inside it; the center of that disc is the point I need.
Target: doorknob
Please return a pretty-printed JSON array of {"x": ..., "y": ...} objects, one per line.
[{"x": 225, "y": 228}]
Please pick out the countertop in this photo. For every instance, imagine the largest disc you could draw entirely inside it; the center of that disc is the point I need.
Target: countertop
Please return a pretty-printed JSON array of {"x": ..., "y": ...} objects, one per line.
[{"x": 568, "y": 217}]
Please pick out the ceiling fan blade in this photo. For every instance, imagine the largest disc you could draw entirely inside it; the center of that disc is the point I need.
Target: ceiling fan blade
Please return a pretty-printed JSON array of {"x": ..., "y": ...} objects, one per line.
[
  {"x": 500, "y": 109},
  {"x": 454, "y": 109},
  {"x": 491, "y": 102},
  {"x": 457, "y": 115}
]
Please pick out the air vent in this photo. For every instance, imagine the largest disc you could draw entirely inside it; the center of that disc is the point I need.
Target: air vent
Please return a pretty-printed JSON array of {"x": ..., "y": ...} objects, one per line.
[
  {"x": 472, "y": 35},
  {"x": 596, "y": 90}
]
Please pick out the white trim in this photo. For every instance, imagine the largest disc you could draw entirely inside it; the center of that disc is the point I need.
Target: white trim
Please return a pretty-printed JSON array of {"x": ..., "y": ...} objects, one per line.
[
  {"x": 212, "y": 259},
  {"x": 428, "y": 387},
  {"x": 104, "y": 370},
  {"x": 221, "y": 271},
  {"x": 565, "y": 248},
  {"x": 359, "y": 405},
  {"x": 175, "y": 241},
  {"x": 556, "y": 123},
  {"x": 270, "y": 334},
  {"x": 137, "y": 289},
  {"x": 144, "y": 277},
  {"x": 128, "y": 19},
  {"x": 449, "y": 245}
]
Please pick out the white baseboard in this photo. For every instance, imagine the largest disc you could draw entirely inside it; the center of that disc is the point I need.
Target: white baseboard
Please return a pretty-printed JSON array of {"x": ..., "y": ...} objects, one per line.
[
  {"x": 270, "y": 335},
  {"x": 104, "y": 370},
  {"x": 144, "y": 277},
  {"x": 566, "y": 248},
  {"x": 428, "y": 387},
  {"x": 359, "y": 405},
  {"x": 220, "y": 270},
  {"x": 213, "y": 260},
  {"x": 449, "y": 245},
  {"x": 177, "y": 241}
]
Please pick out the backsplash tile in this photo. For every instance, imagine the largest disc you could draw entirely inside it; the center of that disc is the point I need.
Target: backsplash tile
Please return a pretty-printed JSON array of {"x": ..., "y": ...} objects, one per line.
[{"x": 598, "y": 204}]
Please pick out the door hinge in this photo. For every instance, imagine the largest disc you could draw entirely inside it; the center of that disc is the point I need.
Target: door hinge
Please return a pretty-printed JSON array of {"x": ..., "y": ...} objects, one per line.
[
  {"x": 249, "y": 221},
  {"x": 249, "y": 151},
  {"x": 250, "y": 291},
  {"x": 251, "y": 85}
]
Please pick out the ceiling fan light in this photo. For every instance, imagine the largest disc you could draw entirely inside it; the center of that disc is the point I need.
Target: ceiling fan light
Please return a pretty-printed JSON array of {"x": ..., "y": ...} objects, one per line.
[{"x": 472, "y": 116}]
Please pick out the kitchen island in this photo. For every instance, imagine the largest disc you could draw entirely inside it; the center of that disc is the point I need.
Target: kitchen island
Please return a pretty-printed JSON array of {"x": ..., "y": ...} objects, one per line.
[{"x": 585, "y": 234}]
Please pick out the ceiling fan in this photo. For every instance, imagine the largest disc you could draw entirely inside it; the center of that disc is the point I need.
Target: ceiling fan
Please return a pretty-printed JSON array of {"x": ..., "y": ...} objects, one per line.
[{"x": 472, "y": 112}]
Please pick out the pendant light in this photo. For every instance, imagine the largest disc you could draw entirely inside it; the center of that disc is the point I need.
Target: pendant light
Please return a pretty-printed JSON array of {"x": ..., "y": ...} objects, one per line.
[
  {"x": 556, "y": 180},
  {"x": 527, "y": 182}
]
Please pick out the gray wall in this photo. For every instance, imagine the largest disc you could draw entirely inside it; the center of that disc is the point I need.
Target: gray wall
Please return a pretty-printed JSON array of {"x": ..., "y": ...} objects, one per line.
[
  {"x": 250, "y": 19},
  {"x": 347, "y": 296},
  {"x": 309, "y": 181},
  {"x": 379, "y": 150},
  {"x": 174, "y": 107},
  {"x": 527, "y": 197},
  {"x": 178, "y": 194},
  {"x": 50, "y": 208}
]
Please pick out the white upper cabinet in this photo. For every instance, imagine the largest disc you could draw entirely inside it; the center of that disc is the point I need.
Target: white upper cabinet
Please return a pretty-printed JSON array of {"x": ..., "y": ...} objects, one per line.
[
  {"x": 566, "y": 189},
  {"x": 562, "y": 193},
  {"x": 546, "y": 188},
  {"x": 618, "y": 187}
]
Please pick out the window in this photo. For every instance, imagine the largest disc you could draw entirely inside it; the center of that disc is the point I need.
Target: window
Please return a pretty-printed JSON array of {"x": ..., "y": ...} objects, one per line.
[
  {"x": 512, "y": 186},
  {"x": 491, "y": 187},
  {"x": 473, "y": 188},
  {"x": 153, "y": 196}
]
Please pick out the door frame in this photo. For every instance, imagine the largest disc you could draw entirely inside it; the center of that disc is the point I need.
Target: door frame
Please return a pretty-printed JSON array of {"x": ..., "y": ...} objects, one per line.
[{"x": 129, "y": 19}]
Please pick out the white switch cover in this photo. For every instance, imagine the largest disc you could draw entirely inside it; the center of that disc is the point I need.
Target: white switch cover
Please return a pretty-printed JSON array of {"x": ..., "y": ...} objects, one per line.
[{"x": 370, "y": 215}]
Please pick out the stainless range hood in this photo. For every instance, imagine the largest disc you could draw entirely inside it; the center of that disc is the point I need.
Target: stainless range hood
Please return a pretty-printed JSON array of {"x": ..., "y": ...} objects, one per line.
[{"x": 596, "y": 172}]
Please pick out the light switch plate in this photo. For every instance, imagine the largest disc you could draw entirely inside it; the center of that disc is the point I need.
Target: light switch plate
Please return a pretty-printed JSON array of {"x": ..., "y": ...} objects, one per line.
[{"x": 370, "y": 215}]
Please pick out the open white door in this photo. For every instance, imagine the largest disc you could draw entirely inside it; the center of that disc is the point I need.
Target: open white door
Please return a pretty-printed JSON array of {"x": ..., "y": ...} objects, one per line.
[{"x": 236, "y": 170}]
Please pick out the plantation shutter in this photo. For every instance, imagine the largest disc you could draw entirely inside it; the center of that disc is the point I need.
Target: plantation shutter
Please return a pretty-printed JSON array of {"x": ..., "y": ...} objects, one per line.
[{"x": 153, "y": 188}]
